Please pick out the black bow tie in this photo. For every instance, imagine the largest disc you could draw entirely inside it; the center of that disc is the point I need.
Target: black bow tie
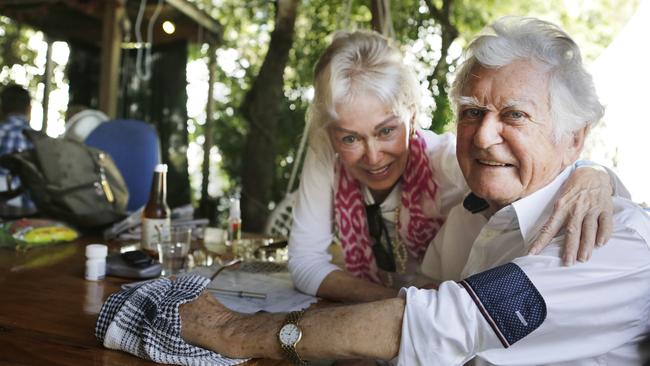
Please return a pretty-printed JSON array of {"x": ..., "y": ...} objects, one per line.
[{"x": 475, "y": 204}]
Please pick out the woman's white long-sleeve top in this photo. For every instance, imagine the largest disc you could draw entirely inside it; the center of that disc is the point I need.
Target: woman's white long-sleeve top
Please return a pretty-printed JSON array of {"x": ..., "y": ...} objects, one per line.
[{"x": 312, "y": 230}]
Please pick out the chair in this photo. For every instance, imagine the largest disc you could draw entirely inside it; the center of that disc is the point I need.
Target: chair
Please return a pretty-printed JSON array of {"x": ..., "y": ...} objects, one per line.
[
  {"x": 280, "y": 219},
  {"x": 82, "y": 124},
  {"x": 134, "y": 147}
]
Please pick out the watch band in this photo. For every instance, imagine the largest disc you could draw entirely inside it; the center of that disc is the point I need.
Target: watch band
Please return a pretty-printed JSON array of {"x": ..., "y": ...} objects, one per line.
[{"x": 289, "y": 350}]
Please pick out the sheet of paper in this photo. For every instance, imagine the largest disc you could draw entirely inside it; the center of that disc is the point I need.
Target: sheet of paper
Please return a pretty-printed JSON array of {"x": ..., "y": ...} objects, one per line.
[{"x": 281, "y": 296}]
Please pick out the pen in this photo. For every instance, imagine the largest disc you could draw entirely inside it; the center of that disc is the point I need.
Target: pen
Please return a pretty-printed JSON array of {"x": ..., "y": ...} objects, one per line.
[{"x": 250, "y": 294}]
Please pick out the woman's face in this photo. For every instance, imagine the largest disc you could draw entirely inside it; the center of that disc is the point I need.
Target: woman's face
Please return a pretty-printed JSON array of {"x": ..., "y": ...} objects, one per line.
[{"x": 372, "y": 143}]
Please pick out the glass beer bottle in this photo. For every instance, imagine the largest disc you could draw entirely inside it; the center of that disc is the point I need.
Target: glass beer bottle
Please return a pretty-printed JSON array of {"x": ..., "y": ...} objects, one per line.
[{"x": 156, "y": 217}]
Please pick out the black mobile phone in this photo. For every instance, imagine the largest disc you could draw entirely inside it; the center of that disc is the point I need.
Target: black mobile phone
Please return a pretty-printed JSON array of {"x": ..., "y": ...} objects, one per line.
[
  {"x": 137, "y": 258},
  {"x": 134, "y": 264}
]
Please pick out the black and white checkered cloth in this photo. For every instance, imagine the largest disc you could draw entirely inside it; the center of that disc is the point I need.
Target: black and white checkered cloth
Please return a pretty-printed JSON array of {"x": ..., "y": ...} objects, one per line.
[{"x": 144, "y": 321}]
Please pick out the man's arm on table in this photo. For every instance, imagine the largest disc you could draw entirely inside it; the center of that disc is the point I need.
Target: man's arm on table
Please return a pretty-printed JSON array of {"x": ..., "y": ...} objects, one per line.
[
  {"x": 454, "y": 330},
  {"x": 370, "y": 330},
  {"x": 450, "y": 325}
]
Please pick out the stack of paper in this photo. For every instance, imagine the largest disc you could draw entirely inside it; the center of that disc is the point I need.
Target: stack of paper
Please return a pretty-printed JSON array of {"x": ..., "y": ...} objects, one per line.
[{"x": 281, "y": 296}]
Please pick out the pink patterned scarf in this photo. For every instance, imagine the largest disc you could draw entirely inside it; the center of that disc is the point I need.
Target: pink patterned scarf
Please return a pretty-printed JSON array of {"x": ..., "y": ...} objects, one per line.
[{"x": 418, "y": 222}]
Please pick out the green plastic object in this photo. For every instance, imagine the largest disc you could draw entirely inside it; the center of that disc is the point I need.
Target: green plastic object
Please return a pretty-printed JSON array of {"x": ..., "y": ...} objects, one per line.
[{"x": 25, "y": 234}]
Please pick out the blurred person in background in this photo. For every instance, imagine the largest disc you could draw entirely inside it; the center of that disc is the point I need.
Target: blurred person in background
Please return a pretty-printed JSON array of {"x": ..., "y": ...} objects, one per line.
[{"x": 16, "y": 110}]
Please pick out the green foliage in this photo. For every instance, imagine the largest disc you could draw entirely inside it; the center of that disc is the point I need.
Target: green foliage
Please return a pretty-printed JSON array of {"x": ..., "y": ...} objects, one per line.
[
  {"x": 247, "y": 31},
  {"x": 247, "y": 27},
  {"x": 14, "y": 47},
  {"x": 245, "y": 41},
  {"x": 15, "y": 50}
]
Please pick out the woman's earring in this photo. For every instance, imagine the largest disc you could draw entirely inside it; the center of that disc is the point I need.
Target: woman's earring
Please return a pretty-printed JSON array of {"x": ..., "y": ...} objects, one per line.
[{"x": 412, "y": 125}]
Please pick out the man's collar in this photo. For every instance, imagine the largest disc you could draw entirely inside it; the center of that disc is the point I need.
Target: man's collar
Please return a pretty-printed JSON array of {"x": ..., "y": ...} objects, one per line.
[{"x": 531, "y": 210}]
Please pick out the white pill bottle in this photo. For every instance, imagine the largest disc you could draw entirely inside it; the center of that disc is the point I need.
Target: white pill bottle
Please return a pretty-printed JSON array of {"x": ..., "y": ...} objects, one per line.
[{"x": 96, "y": 261}]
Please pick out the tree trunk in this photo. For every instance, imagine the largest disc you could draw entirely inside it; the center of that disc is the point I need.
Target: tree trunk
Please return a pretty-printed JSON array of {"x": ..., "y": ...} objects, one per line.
[
  {"x": 381, "y": 21},
  {"x": 448, "y": 33},
  {"x": 208, "y": 132},
  {"x": 261, "y": 109}
]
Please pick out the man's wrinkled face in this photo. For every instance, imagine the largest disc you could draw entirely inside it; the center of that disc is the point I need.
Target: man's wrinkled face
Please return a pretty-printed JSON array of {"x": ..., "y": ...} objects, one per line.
[{"x": 506, "y": 148}]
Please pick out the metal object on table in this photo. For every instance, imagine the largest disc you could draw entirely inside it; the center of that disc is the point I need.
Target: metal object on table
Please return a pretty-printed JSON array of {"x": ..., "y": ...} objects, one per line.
[
  {"x": 226, "y": 265},
  {"x": 272, "y": 251},
  {"x": 238, "y": 293}
]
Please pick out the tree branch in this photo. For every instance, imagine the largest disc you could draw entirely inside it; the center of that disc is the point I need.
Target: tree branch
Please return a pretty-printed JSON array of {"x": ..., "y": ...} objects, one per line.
[{"x": 448, "y": 33}]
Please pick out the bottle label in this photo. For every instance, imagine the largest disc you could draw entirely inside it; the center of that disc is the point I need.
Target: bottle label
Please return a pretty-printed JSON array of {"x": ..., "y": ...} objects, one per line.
[
  {"x": 154, "y": 231},
  {"x": 234, "y": 230}
]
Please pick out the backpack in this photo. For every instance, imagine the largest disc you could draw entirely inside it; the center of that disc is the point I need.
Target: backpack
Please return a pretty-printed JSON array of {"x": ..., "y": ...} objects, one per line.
[{"x": 68, "y": 180}]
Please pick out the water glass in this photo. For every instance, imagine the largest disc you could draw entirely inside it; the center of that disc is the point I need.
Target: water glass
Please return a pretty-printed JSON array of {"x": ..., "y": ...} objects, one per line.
[
  {"x": 173, "y": 253},
  {"x": 216, "y": 240}
]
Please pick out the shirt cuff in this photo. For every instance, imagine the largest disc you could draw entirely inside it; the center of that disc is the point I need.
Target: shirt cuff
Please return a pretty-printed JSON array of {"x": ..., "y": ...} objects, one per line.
[
  {"x": 508, "y": 300},
  {"x": 442, "y": 327}
]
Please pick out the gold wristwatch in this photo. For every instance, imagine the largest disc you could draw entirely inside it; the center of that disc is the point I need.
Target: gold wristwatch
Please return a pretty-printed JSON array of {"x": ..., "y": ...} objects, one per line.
[{"x": 289, "y": 336}]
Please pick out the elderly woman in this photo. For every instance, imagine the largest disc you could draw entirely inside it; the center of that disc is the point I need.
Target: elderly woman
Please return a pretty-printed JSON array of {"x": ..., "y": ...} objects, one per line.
[{"x": 383, "y": 186}]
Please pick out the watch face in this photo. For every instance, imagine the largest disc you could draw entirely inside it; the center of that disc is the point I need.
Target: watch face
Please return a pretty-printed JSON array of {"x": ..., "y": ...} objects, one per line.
[{"x": 290, "y": 334}]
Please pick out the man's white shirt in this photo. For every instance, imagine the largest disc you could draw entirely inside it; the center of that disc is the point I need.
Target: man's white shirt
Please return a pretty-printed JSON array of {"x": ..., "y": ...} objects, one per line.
[{"x": 596, "y": 312}]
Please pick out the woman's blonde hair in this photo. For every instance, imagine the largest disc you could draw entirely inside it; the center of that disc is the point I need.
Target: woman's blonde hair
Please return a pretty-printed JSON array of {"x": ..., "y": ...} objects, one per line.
[{"x": 359, "y": 63}]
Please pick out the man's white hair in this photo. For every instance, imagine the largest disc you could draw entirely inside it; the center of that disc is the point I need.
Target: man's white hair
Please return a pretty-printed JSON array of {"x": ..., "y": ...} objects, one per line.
[{"x": 573, "y": 100}]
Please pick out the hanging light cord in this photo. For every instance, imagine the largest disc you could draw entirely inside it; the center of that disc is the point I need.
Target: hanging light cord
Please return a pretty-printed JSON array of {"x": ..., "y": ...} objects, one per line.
[{"x": 143, "y": 67}]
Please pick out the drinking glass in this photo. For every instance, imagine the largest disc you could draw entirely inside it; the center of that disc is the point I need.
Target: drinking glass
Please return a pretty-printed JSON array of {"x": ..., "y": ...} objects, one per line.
[
  {"x": 216, "y": 240},
  {"x": 173, "y": 253}
]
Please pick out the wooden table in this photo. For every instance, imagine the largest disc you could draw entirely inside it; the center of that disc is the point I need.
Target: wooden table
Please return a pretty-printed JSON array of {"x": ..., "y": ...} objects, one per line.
[{"x": 48, "y": 310}]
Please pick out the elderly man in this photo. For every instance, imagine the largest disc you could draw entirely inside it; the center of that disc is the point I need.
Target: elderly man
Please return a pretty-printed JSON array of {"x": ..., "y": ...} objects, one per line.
[{"x": 524, "y": 106}]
